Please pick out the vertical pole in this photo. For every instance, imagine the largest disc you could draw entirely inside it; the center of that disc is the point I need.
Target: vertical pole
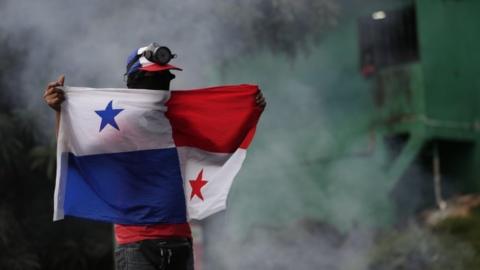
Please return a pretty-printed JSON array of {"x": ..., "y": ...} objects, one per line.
[{"x": 437, "y": 179}]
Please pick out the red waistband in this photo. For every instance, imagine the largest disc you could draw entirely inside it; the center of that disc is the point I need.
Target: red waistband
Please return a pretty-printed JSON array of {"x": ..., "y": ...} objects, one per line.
[{"x": 125, "y": 234}]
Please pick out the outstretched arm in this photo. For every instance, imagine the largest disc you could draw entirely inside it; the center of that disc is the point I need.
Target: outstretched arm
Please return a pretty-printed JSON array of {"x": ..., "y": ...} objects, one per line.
[{"x": 54, "y": 98}]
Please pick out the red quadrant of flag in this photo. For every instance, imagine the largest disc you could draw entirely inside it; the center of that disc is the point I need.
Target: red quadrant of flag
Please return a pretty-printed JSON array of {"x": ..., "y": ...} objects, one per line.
[{"x": 214, "y": 119}]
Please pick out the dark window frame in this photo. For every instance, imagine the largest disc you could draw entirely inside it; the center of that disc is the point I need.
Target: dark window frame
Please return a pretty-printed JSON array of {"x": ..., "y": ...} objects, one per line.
[{"x": 387, "y": 42}]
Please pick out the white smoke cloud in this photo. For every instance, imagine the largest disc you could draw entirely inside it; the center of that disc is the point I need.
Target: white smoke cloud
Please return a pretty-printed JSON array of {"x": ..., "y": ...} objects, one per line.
[{"x": 90, "y": 40}]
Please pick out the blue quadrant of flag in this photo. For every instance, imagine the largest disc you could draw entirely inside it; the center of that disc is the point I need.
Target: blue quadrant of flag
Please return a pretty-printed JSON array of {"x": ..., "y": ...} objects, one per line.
[{"x": 138, "y": 187}]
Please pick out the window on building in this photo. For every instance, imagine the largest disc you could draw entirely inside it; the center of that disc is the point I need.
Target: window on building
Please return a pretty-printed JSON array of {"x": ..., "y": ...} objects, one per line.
[{"x": 387, "y": 38}]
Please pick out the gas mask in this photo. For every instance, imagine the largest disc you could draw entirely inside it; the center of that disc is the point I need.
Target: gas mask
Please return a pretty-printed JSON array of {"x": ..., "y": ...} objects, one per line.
[
  {"x": 158, "y": 54},
  {"x": 150, "y": 79}
]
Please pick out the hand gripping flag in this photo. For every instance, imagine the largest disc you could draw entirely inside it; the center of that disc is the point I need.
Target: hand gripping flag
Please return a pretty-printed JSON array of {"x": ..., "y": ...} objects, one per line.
[{"x": 131, "y": 156}]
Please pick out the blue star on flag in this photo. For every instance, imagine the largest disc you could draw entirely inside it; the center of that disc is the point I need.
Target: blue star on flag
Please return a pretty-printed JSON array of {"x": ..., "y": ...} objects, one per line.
[{"x": 108, "y": 116}]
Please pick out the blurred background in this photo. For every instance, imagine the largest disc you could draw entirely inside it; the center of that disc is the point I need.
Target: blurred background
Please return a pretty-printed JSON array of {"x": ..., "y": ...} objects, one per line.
[{"x": 366, "y": 157}]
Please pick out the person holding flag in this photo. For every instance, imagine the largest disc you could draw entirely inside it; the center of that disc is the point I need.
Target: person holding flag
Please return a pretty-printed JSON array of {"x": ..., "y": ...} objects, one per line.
[{"x": 152, "y": 191}]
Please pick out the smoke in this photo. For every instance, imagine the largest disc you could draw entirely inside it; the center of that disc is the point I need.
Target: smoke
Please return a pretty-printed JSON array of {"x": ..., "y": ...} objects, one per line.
[
  {"x": 311, "y": 165},
  {"x": 90, "y": 40},
  {"x": 304, "y": 198}
]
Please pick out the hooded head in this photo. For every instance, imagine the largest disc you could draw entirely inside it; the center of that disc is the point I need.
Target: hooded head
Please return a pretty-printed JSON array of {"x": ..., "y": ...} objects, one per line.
[{"x": 148, "y": 68}]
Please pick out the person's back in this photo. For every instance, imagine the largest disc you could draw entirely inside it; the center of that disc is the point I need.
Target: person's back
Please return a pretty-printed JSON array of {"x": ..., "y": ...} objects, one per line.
[{"x": 167, "y": 246}]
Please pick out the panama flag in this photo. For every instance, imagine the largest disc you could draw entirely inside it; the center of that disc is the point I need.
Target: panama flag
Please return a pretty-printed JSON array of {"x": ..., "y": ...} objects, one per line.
[{"x": 134, "y": 156}]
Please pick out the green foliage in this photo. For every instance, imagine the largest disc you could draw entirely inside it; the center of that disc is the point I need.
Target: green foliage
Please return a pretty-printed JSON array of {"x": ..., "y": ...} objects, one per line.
[
  {"x": 43, "y": 157},
  {"x": 16, "y": 253},
  {"x": 28, "y": 237},
  {"x": 466, "y": 230},
  {"x": 453, "y": 244},
  {"x": 11, "y": 146}
]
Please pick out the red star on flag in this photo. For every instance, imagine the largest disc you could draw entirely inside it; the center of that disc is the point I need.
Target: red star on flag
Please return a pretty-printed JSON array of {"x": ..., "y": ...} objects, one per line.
[{"x": 197, "y": 185}]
